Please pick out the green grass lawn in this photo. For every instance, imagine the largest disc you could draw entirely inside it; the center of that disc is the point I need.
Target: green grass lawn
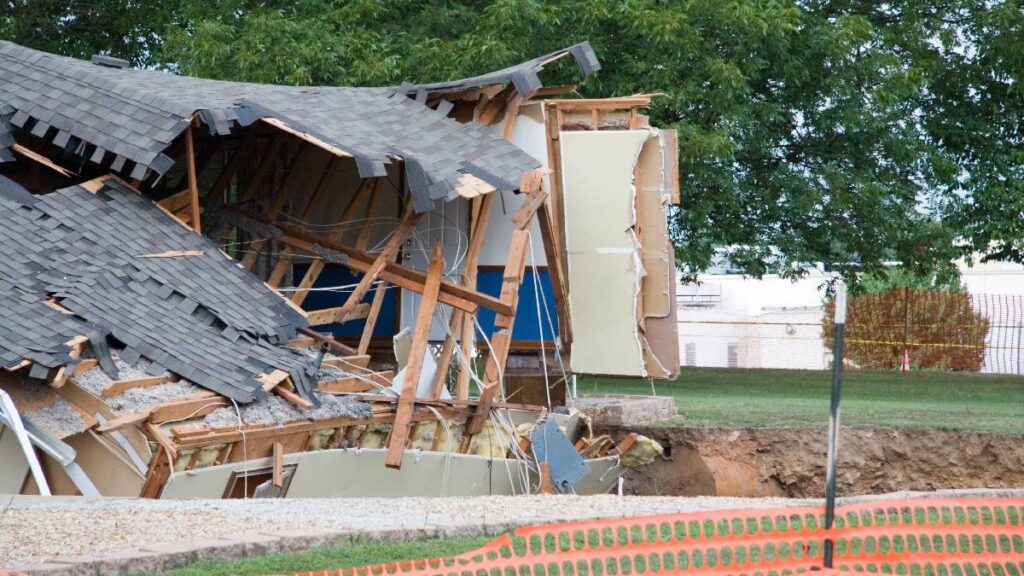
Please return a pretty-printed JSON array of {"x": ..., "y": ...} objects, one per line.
[
  {"x": 722, "y": 397},
  {"x": 332, "y": 558}
]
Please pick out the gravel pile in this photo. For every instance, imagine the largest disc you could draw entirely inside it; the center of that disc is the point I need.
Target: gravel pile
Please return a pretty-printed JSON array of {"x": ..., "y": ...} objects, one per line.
[{"x": 35, "y": 530}]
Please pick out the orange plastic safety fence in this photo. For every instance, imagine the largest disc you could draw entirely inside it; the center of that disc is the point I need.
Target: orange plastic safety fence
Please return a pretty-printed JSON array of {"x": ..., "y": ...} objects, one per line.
[{"x": 949, "y": 537}]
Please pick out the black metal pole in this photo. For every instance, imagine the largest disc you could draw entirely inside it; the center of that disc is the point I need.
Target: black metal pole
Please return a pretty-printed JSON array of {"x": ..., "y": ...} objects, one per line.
[{"x": 833, "y": 418}]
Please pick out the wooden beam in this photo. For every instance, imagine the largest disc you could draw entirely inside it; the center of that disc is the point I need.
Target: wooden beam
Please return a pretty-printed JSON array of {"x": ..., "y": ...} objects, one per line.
[
  {"x": 397, "y": 274},
  {"x": 194, "y": 407},
  {"x": 193, "y": 181},
  {"x": 361, "y": 383},
  {"x": 511, "y": 114},
  {"x": 601, "y": 103},
  {"x": 344, "y": 349},
  {"x": 479, "y": 221},
  {"x": 306, "y": 136},
  {"x": 420, "y": 340},
  {"x": 394, "y": 243},
  {"x": 556, "y": 275}
]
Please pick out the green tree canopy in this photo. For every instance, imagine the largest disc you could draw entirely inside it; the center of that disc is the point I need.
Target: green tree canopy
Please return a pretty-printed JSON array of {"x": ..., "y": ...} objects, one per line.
[{"x": 846, "y": 132}]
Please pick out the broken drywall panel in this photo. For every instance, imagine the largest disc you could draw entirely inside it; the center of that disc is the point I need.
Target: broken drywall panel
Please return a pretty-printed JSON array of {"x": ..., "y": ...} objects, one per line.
[
  {"x": 652, "y": 225},
  {"x": 603, "y": 255}
]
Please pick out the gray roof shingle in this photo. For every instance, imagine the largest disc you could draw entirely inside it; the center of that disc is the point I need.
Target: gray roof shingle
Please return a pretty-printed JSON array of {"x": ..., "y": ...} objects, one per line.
[
  {"x": 202, "y": 316},
  {"x": 136, "y": 115}
]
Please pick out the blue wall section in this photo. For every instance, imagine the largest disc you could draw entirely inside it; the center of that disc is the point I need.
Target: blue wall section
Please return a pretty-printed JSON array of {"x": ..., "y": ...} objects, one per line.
[
  {"x": 526, "y": 328},
  {"x": 334, "y": 275}
]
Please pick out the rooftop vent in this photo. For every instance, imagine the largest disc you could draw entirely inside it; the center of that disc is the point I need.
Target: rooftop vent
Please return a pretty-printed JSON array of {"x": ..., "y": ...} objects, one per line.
[{"x": 109, "y": 61}]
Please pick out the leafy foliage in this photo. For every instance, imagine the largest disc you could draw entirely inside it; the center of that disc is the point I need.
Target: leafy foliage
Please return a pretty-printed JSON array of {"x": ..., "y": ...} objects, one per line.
[{"x": 846, "y": 132}]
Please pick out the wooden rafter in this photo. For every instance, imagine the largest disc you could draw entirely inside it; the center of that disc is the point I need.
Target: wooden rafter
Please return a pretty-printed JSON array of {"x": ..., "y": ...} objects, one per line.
[{"x": 284, "y": 261}]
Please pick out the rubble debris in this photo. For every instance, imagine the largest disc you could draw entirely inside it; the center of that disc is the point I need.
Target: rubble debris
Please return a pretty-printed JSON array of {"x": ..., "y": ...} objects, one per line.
[{"x": 214, "y": 290}]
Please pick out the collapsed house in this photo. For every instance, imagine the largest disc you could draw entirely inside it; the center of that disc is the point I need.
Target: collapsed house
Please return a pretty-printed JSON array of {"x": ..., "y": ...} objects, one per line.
[{"x": 221, "y": 289}]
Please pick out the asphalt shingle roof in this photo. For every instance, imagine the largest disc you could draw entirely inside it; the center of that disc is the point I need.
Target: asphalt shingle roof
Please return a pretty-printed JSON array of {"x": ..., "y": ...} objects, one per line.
[
  {"x": 97, "y": 110},
  {"x": 199, "y": 316}
]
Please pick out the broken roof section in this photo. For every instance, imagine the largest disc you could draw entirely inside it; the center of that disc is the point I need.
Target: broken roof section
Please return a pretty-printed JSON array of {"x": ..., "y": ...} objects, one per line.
[
  {"x": 524, "y": 77},
  {"x": 120, "y": 266},
  {"x": 127, "y": 119}
]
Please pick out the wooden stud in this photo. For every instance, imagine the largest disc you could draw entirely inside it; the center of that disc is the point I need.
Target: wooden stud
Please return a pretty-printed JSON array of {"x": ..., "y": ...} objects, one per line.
[
  {"x": 501, "y": 340},
  {"x": 420, "y": 339},
  {"x": 193, "y": 181},
  {"x": 480, "y": 220},
  {"x": 277, "y": 476}
]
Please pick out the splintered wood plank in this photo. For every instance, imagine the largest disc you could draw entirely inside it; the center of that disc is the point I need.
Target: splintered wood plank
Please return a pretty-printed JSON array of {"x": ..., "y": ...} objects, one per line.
[
  {"x": 511, "y": 114},
  {"x": 420, "y": 339},
  {"x": 121, "y": 386}
]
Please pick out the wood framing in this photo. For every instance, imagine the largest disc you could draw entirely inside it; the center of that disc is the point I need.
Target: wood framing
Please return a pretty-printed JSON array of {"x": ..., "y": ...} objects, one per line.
[
  {"x": 421, "y": 335},
  {"x": 193, "y": 181}
]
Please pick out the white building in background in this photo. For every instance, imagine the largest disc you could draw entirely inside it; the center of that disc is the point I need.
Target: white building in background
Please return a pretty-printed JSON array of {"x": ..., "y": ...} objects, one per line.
[{"x": 728, "y": 320}]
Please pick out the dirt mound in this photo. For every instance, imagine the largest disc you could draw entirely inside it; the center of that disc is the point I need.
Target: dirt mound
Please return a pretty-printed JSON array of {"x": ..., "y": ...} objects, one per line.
[{"x": 791, "y": 461}]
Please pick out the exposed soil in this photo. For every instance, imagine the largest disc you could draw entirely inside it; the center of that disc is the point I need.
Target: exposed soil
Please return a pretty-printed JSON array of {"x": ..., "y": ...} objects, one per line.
[{"x": 791, "y": 461}]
